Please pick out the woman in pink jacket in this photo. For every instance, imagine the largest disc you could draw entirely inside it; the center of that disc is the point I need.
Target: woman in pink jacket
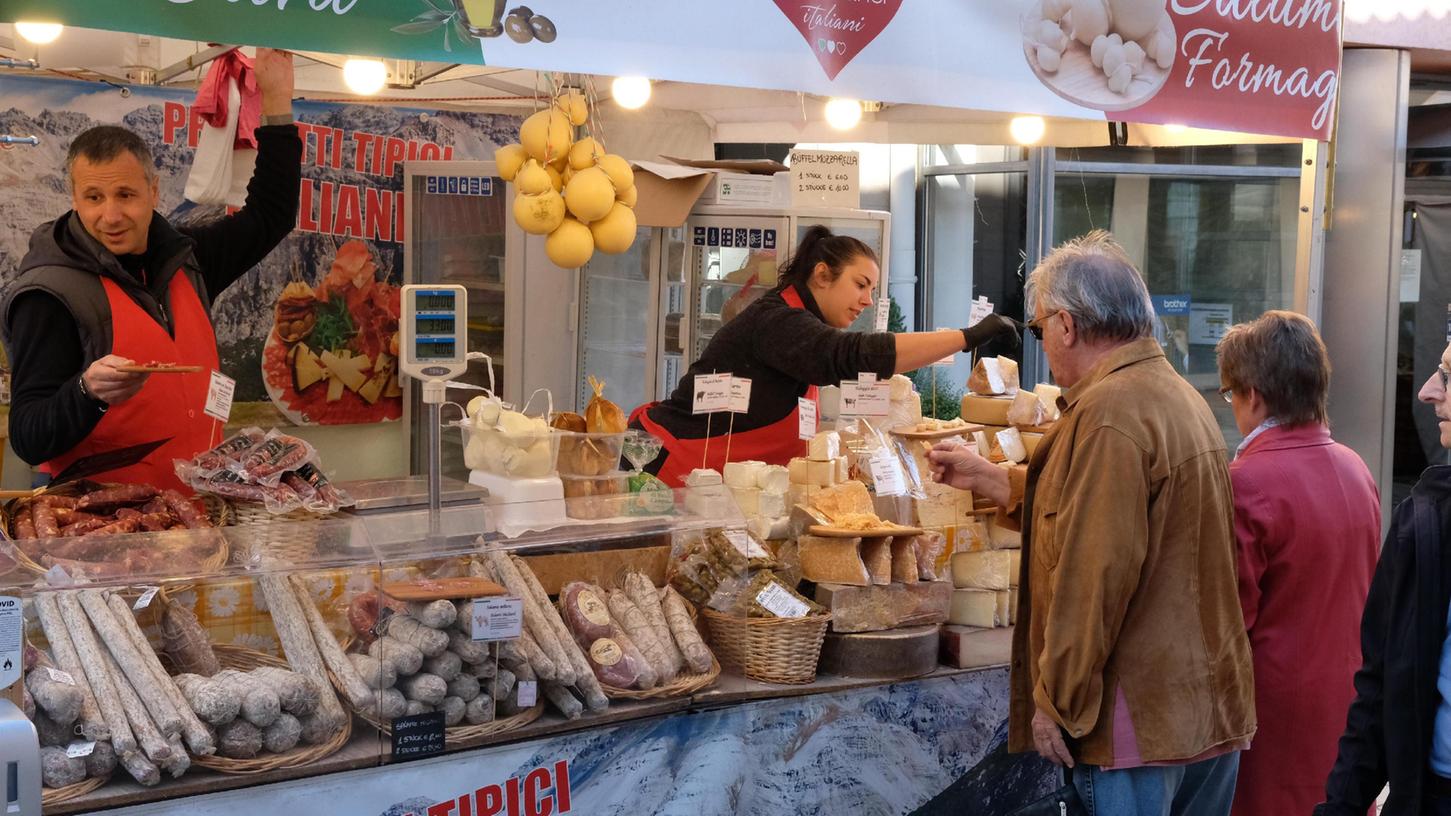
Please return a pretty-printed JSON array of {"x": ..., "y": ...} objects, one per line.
[{"x": 1307, "y": 521}]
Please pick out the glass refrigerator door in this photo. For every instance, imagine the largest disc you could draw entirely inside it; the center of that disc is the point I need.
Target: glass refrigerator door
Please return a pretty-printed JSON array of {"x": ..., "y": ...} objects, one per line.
[
  {"x": 614, "y": 300},
  {"x": 733, "y": 261},
  {"x": 870, "y": 231},
  {"x": 457, "y": 234}
]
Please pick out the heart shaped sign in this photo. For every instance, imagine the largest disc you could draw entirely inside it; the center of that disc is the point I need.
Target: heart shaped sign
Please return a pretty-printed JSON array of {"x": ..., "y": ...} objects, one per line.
[{"x": 840, "y": 30}]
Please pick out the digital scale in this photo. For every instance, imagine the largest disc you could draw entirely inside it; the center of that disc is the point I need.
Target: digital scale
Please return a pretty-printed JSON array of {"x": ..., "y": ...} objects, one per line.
[{"x": 433, "y": 349}]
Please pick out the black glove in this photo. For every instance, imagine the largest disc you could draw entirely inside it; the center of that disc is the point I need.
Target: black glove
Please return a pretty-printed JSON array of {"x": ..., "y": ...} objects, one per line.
[{"x": 990, "y": 328}]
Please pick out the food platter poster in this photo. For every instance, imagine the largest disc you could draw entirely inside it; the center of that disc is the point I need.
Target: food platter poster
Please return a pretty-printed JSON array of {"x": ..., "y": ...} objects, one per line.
[{"x": 309, "y": 333}]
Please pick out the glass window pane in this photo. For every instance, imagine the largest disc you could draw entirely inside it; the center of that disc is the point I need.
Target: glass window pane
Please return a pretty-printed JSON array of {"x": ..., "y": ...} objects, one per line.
[
  {"x": 614, "y": 309},
  {"x": 1214, "y": 252}
]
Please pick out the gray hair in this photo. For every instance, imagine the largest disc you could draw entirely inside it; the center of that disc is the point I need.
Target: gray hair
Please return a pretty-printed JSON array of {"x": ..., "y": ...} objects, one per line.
[
  {"x": 1092, "y": 278},
  {"x": 104, "y": 143}
]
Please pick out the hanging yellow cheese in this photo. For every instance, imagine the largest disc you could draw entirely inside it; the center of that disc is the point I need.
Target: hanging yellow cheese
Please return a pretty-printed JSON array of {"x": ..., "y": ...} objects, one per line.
[
  {"x": 532, "y": 179},
  {"x": 584, "y": 153},
  {"x": 589, "y": 195},
  {"x": 615, "y": 232},
  {"x": 508, "y": 159},
  {"x": 539, "y": 214},
  {"x": 570, "y": 245},
  {"x": 618, "y": 170},
  {"x": 546, "y": 135}
]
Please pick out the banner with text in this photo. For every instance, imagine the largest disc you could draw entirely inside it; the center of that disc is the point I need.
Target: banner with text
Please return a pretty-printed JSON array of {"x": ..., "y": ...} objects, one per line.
[
  {"x": 1264, "y": 66},
  {"x": 329, "y": 287}
]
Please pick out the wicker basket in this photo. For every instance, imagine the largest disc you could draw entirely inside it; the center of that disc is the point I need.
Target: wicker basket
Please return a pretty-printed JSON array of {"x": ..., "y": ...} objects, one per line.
[
  {"x": 772, "y": 650},
  {"x": 217, "y": 511},
  {"x": 279, "y": 535},
  {"x": 236, "y": 657},
  {"x": 682, "y": 685},
  {"x": 50, "y": 797},
  {"x": 466, "y": 736}
]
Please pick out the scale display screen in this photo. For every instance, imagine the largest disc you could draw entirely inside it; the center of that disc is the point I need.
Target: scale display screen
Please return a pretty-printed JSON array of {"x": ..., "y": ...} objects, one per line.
[
  {"x": 433, "y": 324},
  {"x": 434, "y": 350},
  {"x": 434, "y": 302}
]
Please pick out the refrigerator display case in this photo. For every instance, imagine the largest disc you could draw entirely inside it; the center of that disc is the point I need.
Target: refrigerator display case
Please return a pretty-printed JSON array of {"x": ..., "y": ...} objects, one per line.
[{"x": 696, "y": 279}]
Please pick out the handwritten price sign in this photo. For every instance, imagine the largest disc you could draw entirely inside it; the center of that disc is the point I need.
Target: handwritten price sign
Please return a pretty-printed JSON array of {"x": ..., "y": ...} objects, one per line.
[{"x": 825, "y": 178}]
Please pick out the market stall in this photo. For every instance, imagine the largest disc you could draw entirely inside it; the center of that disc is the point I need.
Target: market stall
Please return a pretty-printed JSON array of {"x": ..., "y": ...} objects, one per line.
[{"x": 555, "y": 630}]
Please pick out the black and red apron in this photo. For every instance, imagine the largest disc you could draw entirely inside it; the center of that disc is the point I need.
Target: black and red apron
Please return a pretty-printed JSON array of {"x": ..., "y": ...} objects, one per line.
[
  {"x": 774, "y": 444},
  {"x": 169, "y": 405}
]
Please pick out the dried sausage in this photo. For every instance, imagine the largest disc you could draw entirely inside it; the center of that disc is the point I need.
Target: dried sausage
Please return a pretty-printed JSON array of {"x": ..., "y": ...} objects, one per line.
[
  {"x": 184, "y": 510},
  {"x": 44, "y": 518},
  {"x": 108, "y": 498},
  {"x": 276, "y": 455},
  {"x": 229, "y": 450}
]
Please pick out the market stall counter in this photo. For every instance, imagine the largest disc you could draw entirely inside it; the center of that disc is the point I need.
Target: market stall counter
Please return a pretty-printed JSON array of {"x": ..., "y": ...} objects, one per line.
[{"x": 319, "y": 646}]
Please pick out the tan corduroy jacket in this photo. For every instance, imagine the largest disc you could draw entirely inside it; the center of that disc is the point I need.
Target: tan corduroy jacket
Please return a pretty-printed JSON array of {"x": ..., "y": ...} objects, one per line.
[{"x": 1129, "y": 570}]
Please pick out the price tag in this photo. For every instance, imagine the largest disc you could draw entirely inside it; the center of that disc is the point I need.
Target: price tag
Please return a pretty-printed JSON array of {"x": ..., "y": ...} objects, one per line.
[
  {"x": 805, "y": 418},
  {"x": 60, "y": 676},
  {"x": 146, "y": 598},
  {"x": 76, "y": 750},
  {"x": 745, "y": 545},
  {"x": 12, "y": 628},
  {"x": 981, "y": 308},
  {"x": 528, "y": 693},
  {"x": 712, "y": 393},
  {"x": 781, "y": 603},
  {"x": 884, "y": 311},
  {"x": 498, "y": 618},
  {"x": 418, "y": 736},
  {"x": 887, "y": 474},
  {"x": 951, "y": 359},
  {"x": 866, "y": 400},
  {"x": 740, "y": 395},
  {"x": 219, "y": 396}
]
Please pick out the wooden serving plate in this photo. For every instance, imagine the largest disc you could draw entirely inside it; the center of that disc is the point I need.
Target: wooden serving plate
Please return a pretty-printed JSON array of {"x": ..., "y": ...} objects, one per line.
[
  {"x": 159, "y": 369},
  {"x": 1079, "y": 81},
  {"x": 941, "y": 434},
  {"x": 434, "y": 589},
  {"x": 875, "y": 532}
]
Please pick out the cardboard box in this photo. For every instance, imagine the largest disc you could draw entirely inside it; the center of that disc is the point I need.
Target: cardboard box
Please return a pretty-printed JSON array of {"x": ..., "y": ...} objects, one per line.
[
  {"x": 667, "y": 192},
  {"x": 743, "y": 183}
]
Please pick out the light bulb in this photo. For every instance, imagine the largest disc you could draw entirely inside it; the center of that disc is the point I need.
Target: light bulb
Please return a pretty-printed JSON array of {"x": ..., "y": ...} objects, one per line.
[
  {"x": 365, "y": 77},
  {"x": 39, "y": 33},
  {"x": 630, "y": 92},
  {"x": 1027, "y": 130},
  {"x": 843, "y": 114}
]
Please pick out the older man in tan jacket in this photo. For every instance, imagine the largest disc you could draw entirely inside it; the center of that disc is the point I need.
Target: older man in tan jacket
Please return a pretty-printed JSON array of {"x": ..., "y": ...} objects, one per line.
[{"x": 1130, "y": 660}]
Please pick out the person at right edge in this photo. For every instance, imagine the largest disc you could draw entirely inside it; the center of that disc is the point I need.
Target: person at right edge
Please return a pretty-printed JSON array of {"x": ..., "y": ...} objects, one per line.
[
  {"x": 1307, "y": 521},
  {"x": 1398, "y": 729},
  {"x": 1130, "y": 663}
]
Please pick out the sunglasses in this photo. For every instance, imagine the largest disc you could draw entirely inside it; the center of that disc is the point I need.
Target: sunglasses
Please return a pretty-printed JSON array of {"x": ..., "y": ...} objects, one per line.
[
  {"x": 1036, "y": 325},
  {"x": 1227, "y": 394}
]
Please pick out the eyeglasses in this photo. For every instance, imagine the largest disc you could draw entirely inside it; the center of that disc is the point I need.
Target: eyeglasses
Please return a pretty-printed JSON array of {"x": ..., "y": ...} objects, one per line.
[
  {"x": 1036, "y": 326},
  {"x": 1445, "y": 375},
  {"x": 1227, "y": 394}
]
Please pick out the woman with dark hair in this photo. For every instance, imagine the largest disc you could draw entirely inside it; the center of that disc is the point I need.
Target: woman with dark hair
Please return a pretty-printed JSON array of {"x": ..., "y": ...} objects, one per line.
[
  {"x": 787, "y": 343},
  {"x": 1307, "y": 530}
]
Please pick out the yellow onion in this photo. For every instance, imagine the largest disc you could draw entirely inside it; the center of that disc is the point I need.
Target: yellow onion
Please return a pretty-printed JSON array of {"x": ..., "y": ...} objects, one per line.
[
  {"x": 532, "y": 179},
  {"x": 539, "y": 214},
  {"x": 584, "y": 153},
  {"x": 546, "y": 135},
  {"x": 615, "y": 232},
  {"x": 589, "y": 195},
  {"x": 571, "y": 245},
  {"x": 508, "y": 159},
  {"x": 618, "y": 170}
]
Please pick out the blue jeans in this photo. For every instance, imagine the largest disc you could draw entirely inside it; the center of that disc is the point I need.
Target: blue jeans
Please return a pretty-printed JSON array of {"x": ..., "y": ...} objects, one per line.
[{"x": 1203, "y": 789}]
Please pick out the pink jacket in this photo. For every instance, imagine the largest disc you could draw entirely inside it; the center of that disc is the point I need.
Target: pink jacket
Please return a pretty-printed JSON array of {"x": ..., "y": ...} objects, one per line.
[{"x": 1307, "y": 526}]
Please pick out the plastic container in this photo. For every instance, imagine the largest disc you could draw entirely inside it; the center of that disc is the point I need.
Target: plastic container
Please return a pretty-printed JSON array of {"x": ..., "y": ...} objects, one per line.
[
  {"x": 596, "y": 497},
  {"x": 587, "y": 454},
  {"x": 517, "y": 456}
]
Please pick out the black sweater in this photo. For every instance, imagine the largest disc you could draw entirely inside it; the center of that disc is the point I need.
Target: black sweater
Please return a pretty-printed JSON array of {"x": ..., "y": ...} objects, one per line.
[
  {"x": 782, "y": 351},
  {"x": 49, "y": 414},
  {"x": 1389, "y": 727}
]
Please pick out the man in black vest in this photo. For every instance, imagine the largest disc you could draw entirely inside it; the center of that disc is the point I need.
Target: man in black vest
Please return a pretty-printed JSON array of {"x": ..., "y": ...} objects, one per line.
[{"x": 58, "y": 322}]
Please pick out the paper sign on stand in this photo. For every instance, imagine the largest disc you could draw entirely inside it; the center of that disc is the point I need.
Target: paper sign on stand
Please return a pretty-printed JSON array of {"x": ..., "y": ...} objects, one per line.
[
  {"x": 712, "y": 393},
  {"x": 866, "y": 399},
  {"x": 887, "y": 474},
  {"x": 219, "y": 396},
  {"x": 883, "y": 313},
  {"x": 12, "y": 626},
  {"x": 825, "y": 178},
  {"x": 497, "y": 618},
  {"x": 981, "y": 308},
  {"x": 805, "y": 418},
  {"x": 740, "y": 395}
]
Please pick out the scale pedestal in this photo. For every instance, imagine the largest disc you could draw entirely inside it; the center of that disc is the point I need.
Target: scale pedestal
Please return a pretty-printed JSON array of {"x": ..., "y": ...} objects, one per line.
[{"x": 535, "y": 503}]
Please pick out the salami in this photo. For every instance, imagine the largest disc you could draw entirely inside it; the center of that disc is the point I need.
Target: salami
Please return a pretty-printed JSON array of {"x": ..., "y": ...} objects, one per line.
[
  {"x": 184, "y": 510},
  {"x": 44, "y": 518},
  {"x": 230, "y": 450},
  {"x": 82, "y": 527},
  {"x": 110, "y": 498},
  {"x": 277, "y": 454},
  {"x": 24, "y": 525}
]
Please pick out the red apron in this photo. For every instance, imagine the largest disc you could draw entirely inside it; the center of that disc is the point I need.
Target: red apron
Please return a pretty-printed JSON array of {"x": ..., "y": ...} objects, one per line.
[
  {"x": 169, "y": 405},
  {"x": 774, "y": 444}
]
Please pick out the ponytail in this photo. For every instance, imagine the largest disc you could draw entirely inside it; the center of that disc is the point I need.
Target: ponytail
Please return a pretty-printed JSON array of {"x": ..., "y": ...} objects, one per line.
[{"x": 820, "y": 245}]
